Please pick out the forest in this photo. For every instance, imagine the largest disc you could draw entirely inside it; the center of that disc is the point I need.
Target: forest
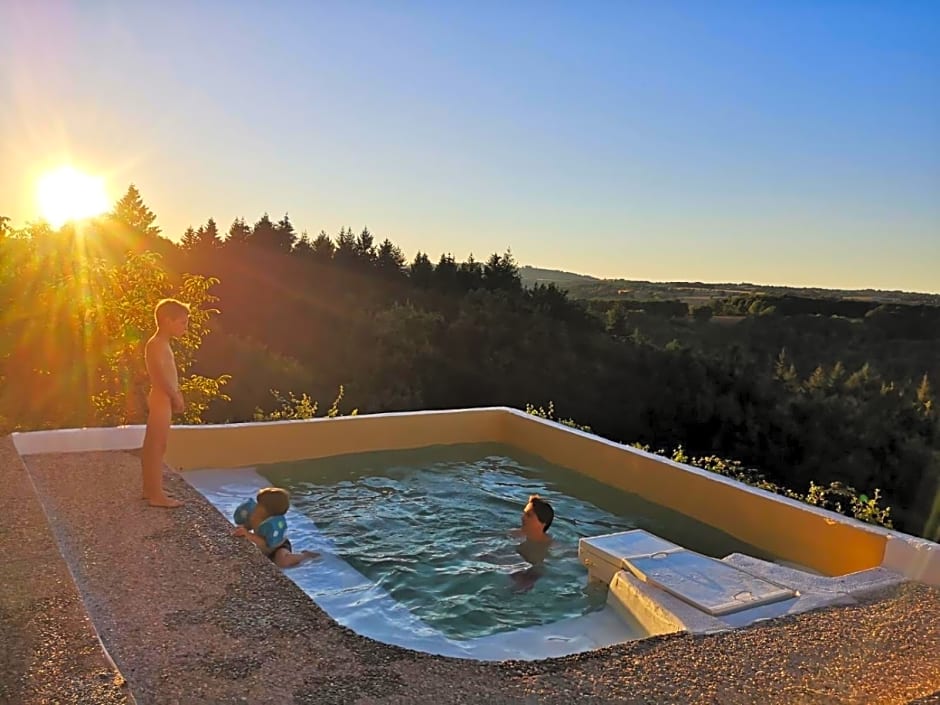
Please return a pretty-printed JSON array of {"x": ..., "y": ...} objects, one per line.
[{"x": 822, "y": 398}]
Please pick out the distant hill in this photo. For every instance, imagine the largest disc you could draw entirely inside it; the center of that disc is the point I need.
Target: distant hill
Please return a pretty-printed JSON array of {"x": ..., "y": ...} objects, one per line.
[
  {"x": 537, "y": 275},
  {"x": 582, "y": 286}
]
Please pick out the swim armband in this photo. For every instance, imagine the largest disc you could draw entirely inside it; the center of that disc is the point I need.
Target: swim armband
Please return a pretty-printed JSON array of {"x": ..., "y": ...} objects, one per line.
[
  {"x": 272, "y": 530},
  {"x": 243, "y": 512}
]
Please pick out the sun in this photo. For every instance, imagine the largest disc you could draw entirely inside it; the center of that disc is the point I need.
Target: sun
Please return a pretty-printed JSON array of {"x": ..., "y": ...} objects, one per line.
[{"x": 66, "y": 194}]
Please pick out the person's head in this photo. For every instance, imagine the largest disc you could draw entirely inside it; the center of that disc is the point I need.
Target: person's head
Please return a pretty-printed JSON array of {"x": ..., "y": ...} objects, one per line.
[
  {"x": 537, "y": 515},
  {"x": 172, "y": 316},
  {"x": 272, "y": 502}
]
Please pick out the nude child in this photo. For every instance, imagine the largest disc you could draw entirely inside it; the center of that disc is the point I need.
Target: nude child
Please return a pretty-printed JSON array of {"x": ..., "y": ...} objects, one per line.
[{"x": 172, "y": 318}]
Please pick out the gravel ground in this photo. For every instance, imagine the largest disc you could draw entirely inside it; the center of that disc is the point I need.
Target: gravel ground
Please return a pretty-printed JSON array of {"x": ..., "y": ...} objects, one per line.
[
  {"x": 50, "y": 652},
  {"x": 192, "y": 615}
]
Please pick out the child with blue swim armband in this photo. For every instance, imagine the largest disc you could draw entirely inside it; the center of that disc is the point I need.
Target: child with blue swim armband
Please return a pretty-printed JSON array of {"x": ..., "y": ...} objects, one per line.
[{"x": 262, "y": 522}]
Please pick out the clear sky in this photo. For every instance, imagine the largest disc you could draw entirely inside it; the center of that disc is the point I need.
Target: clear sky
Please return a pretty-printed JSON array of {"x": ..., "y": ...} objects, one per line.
[{"x": 777, "y": 142}]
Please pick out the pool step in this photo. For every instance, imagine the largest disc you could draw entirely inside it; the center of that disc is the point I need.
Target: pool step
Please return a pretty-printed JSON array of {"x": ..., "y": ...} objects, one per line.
[
  {"x": 711, "y": 586},
  {"x": 705, "y": 583}
]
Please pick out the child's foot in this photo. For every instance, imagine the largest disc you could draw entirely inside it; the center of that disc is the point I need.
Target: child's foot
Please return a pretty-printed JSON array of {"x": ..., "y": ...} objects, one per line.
[{"x": 164, "y": 501}]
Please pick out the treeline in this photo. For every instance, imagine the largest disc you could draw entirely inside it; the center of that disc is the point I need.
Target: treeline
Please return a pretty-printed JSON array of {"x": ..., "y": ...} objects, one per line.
[
  {"x": 700, "y": 292},
  {"x": 306, "y": 315},
  {"x": 918, "y": 320},
  {"x": 898, "y": 340}
]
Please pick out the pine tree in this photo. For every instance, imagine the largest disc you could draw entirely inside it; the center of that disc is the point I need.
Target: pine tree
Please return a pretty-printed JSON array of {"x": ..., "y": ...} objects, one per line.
[
  {"x": 346, "y": 253},
  {"x": 785, "y": 371},
  {"x": 303, "y": 247},
  {"x": 189, "y": 240},
  {"x": 421, "y": 271},
  {"x": 502, "y": 273},
  {"x": 445, "y": 273},
  {"x": 323, "y": 248},
  {"x": 285, "y": 235},
  {"x": 390, "y": 259},
  {"x": 470, "y": 274},
  {"x": 134, "y": 213},
  {"x": 208, "y": 236},
  {"x": 264, "y": 234},
  {"x": 239, "y": 233},
  {"x": 615, "y": 322},
  {"x": 365, "y": 247}
]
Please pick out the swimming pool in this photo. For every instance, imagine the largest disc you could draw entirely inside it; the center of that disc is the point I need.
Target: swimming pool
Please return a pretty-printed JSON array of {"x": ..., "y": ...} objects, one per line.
[{"x": 417, "y": 548}]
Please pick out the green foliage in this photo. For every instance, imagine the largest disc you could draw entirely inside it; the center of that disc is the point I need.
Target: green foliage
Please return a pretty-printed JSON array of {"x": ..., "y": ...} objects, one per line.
[
  {"x": 200, "y": 393},
  {"x": 121, "y": 320},
  {"x": 334, "y": 411},
  {"x": 836, "y": 497},
  {"x": 290, "y": 408},
  {"x": 549, "y": 414},
  {"x": 293, "y": 408},
  {"x": 398, "y": 348},
  {"x": 925, "y": 398},
  {"x": 74, "y": 330},
  {"x": 703, "y": 314},
  {"x": 255, "y": 369}
]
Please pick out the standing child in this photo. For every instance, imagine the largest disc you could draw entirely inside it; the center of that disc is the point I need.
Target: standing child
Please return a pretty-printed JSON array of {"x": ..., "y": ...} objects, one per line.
[{"x": 172, "y": 318}]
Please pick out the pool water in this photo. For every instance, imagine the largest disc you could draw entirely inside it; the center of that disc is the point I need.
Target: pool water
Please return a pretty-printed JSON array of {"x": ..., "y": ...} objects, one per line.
[{"x": 433, "y": 527}]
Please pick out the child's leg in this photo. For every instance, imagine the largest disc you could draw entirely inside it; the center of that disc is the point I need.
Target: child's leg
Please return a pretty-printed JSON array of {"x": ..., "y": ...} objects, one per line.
[
  {"x": 151, "y": 456},
  {"x": 285, "y": 559}
]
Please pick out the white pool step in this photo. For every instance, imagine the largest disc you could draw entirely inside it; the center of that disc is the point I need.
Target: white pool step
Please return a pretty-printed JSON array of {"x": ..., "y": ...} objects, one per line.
[
  {"x": 712, "y": 586},
  {"x": 705, "y": 583}
]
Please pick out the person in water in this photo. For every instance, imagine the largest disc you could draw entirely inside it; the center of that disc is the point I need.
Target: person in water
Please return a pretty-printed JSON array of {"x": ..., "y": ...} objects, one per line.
[
  {"x": 537, "y": 517},
  {"x": 261, "y": 521}
]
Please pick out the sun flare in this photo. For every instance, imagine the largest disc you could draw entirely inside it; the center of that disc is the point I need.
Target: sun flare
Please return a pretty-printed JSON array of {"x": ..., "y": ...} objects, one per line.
[{"x": 69, "y": 194}]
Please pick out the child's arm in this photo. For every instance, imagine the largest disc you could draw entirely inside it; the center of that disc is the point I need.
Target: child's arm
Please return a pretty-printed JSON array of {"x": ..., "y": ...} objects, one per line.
[
  {"x": 246, "y": 533},
  {"x": 258, "y": 541},
  {"x": 158, "y": 359}
]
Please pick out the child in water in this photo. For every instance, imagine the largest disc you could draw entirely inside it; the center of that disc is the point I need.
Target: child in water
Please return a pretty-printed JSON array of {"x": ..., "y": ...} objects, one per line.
[{"x": 262, "y": 522}]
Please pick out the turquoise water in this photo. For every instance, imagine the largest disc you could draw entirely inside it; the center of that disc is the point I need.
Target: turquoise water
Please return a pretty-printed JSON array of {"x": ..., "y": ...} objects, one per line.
[{"x": 433, "y": 528}]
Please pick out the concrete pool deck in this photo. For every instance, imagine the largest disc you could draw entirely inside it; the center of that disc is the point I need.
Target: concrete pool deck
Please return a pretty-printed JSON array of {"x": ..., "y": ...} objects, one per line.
[{"x": 191, "y": 615}]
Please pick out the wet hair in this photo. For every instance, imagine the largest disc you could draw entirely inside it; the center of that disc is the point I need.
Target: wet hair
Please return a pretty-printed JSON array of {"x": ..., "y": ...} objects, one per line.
[
  {"x": 169, "y": 309},
  {"x": 543, "y": 511},
  {"x": 274, "y": 500}
]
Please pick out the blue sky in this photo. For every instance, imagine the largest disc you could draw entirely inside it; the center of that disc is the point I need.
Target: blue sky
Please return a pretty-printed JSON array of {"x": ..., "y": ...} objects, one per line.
[{"x": 791, "y": 143}]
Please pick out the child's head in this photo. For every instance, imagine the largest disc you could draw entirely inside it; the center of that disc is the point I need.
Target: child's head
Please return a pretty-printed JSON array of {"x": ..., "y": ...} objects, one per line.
[
  {"x": 272, "y": 502},
  {"x": 171, "y": 316},
  {"x": 538, "y": 510}
]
